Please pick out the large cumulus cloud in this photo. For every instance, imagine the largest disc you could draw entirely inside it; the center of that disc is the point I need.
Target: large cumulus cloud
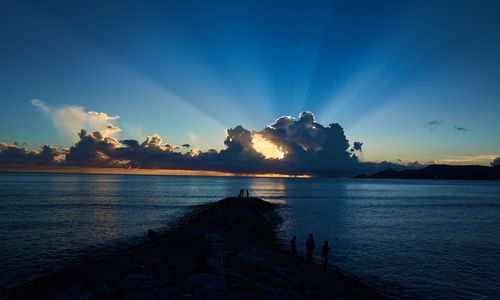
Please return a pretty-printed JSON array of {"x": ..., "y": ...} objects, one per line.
[
  {"x": 311, "y": 147},
  {"x": 307, "y": 147}
]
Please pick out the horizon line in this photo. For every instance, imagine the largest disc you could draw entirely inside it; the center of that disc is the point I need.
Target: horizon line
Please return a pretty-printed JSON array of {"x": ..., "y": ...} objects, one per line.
[{"x": 149, "y": 172}]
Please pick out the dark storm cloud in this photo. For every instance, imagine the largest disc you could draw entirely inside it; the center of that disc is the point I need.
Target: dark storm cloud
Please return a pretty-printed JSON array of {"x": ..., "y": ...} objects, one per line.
[
  {"x": 308, "y": 147},
  {"x": 14, "y": 155}
]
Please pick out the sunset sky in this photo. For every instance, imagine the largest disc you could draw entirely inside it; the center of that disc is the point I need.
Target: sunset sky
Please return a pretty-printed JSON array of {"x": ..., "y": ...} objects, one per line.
[{"x": 412, "y": 81}]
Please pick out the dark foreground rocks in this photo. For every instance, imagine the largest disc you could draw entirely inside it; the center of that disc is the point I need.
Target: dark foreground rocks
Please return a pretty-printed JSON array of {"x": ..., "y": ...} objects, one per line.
[{"x": 223, "y": 251}]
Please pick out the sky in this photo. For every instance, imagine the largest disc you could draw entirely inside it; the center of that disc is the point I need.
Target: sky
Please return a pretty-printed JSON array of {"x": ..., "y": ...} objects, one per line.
[{"x": 410, "y": 80}]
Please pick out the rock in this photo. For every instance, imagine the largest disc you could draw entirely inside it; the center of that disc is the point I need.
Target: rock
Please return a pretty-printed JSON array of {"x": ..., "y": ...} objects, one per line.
[
  {"x": 103, "y": 293},
  {"x": 207, "y": 286},
  {"x": 152, "y": 235}
]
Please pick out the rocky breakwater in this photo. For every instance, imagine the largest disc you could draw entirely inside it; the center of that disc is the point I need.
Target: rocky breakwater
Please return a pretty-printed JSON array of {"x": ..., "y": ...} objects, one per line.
[{"x": 224, "y": 250}]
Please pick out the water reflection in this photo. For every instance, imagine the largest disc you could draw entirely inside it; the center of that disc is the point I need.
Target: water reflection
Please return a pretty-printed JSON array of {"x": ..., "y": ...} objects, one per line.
[
  {"x": 273, "y": 191},
  {"x": 410, "y": 234}
]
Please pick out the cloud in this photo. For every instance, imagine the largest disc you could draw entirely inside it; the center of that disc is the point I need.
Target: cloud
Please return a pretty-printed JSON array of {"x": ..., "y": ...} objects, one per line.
[
  {"x": 311, "y": 146},
  {"x": 434, "y": 123},
  {"x": 357, "y": 146},
  {"x": 289, "y": 145},
  {"x": 70, "y": 119},
  {"x": 412, "y": 164},
  {"x": 496, "y": 162},
  {"x": 40, "y": 105},
  {"x": 306, "y": 147},
  {"x": 93, "y": 150},
  {"x": 96, "y": 150},
  {"x": 14, "y": 155},
  {"x": 459, "y": 128},
  {"x": 467, "y": 159}
]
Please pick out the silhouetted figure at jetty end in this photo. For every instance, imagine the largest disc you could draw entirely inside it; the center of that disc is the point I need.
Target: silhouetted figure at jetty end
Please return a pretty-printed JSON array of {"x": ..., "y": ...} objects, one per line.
[
  {"x": 242, "y": 193},
  {"x": 310, "y": 247},
  {"x": 293, "y": 245},
  {"x": 324, "y": 252}
]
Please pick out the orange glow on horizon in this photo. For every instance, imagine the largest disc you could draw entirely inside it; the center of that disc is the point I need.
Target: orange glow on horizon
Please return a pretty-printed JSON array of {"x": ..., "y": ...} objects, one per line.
[{"x": 120, "y": 171}]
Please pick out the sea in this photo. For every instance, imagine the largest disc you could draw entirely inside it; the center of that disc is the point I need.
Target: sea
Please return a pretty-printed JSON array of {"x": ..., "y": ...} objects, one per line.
[{"x": 413, "y": 239}]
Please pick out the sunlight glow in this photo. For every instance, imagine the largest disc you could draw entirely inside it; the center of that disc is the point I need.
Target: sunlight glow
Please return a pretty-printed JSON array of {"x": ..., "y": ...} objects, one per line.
[
  {"x": 194, "y": 152},
  {"x": 266, "y": 148},
  {"x": 123, "y": 171}
]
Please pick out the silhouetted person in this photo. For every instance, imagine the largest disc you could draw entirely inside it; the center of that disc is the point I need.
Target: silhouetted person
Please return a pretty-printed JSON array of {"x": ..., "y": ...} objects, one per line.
[
  {"x": 248, "y": 194},
  {"x": 324, "y": 252},
  {"x": 310, "y": 247},
  {"x": 241, "y": 193},
  {"x": 293, "y": 246}
]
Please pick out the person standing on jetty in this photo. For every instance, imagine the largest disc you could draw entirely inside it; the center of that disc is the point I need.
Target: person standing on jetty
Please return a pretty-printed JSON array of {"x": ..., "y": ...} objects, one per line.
[
  {"x": 324, "y": 252},
  {"x": 310, "y": 247},
  {"x": 248, "y": 194},
  {"x": 293, "y": 246},
  {"x": 241, "y": 193}
]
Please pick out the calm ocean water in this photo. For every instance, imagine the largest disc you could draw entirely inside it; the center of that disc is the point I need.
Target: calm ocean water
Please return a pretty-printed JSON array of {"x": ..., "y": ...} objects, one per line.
[{"x": 413, "y": 238}]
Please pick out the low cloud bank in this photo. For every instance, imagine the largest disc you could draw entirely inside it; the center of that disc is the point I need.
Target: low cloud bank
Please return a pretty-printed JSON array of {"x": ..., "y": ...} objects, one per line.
[
  {"x": 14, "y": 155},
  {"x": 289, "y": 146}
]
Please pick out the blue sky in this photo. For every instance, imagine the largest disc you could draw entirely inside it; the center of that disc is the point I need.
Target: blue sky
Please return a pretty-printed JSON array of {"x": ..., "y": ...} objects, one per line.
[{"x": 188, "y": 70}]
